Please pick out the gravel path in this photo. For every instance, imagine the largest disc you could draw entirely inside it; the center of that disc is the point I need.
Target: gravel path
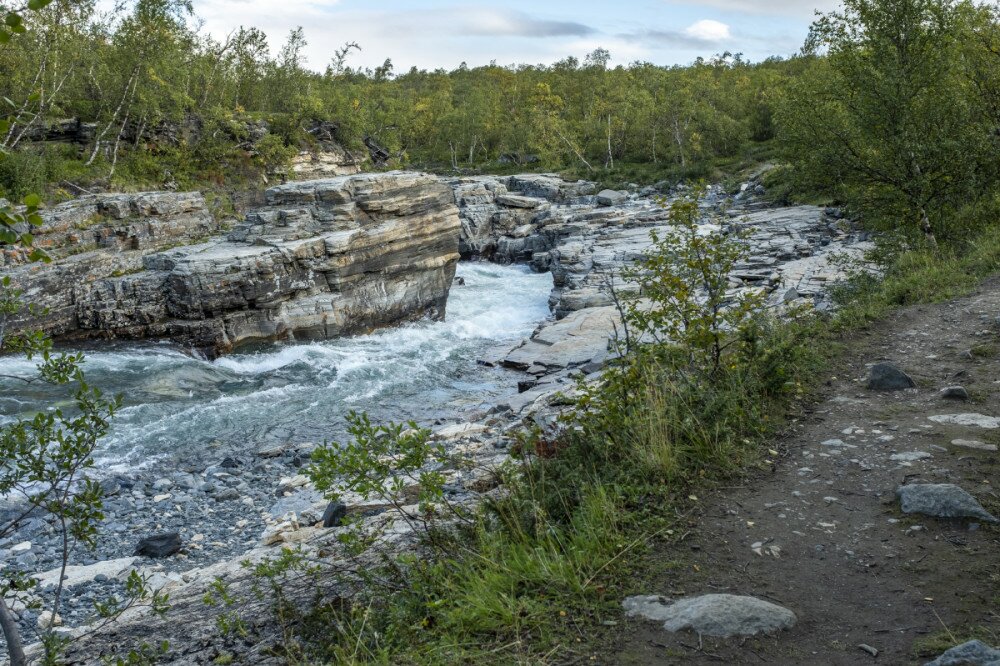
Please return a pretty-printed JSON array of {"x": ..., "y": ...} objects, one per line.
[{"x": 823, "y": 533}]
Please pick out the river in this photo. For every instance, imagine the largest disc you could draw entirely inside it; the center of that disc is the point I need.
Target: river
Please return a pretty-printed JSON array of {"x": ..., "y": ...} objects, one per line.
[{"x": 179, "y": 406}]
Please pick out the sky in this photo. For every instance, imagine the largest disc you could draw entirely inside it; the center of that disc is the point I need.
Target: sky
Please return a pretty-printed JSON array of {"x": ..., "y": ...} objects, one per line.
[{"x": 430, "y": 34}]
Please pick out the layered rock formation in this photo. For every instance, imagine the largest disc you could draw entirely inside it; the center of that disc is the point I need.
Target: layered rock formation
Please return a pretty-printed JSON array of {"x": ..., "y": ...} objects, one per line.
[
  {"x": 323, "y": 258},
  {"x": 585, "y": 241}
]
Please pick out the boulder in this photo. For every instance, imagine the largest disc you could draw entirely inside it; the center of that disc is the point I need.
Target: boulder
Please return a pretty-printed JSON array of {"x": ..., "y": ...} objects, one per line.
[
  {"x": 159, "y": 545},
  {"x": 954, "y": 393},
  {"x": 941, "y": 500},
  {"x": 335, "y": 512},
  {"x": 721, "y": 615},
  {"x": 971, "y": 653},
  {"x": 887, "y": 377},
  {"x": 611, "y": 197}
]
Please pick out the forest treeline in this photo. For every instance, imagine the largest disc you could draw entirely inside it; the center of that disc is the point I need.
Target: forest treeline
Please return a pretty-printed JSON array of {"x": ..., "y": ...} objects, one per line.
[
  {"x": 896, "y": 113},
  {"x": 150, "y": 81}
]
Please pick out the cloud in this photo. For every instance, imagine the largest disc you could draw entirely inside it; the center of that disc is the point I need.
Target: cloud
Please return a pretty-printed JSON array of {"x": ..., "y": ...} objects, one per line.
[
  {"x": 698, "y": 35},
  {"x": 789, "y": 8},
  {"x": 506, "y": 23},
  {"x": 707, "y": 30}
]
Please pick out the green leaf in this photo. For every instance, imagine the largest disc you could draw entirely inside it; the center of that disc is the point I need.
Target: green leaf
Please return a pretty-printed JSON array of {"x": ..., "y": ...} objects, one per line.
[
  {"x": 32, "y": 200},
  {"x": 13, "y": 19},
  {"x": 4, "y": 36},
  {"x": 35, "y": 5}
]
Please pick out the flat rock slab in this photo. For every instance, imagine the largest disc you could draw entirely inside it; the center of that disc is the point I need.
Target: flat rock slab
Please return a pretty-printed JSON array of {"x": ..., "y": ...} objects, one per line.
[
  {"x": 941, "y": 500},
  {"x": 78, "y": 575},
  {"x": 887, "y": 377},
  {"x": 721, "y": 615},
  {"x": 972, "y": 653},
  {"x": 580, "y": 338},
  {"x": 976, "y": 420}
]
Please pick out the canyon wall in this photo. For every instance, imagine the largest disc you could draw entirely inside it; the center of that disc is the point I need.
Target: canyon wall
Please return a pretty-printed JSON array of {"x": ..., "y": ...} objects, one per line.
[{"x": 323, "y": 258}]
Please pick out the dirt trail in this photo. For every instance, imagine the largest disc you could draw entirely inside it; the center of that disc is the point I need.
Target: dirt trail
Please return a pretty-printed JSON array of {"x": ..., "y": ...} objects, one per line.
[{"x": 834, "y": 546}]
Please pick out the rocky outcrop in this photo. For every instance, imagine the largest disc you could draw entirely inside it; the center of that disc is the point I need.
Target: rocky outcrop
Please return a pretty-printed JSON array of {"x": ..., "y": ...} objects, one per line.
[
  {"x": 585, "y": 240},
  {"x": 498, "y": 210},
  {"x": 323, "y": 258}
]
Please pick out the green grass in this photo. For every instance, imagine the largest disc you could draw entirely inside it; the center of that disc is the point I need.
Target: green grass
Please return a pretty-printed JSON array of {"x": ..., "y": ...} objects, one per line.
[{"x": 919, "y": 276}]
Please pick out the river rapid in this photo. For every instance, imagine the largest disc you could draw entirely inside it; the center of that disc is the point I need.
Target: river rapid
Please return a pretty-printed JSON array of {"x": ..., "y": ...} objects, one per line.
[{"x": 178, "y": 406}]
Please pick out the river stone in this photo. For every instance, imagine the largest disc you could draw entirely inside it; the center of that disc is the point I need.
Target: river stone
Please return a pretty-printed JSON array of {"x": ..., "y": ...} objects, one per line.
[
  {"x": 335, "y": 512},
  {"x": 972, "y": 653},
  {"x": 611, "y": 197},
  {"x": 887, "y": 377},
  {"x": 302, "y": 503},
  {"x": 159, "y": 545},
  {"x": 721, "y": 615},
  {"x": 941, "y": 500}
]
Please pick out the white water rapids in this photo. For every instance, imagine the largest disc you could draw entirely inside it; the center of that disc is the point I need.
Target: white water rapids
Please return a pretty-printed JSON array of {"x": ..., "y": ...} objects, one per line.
[{"x": 177, "y": 405}]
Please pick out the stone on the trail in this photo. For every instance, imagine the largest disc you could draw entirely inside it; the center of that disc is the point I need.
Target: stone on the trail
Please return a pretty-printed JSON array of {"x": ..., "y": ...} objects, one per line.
[
  {"x": 721, "y": 615},
  {"x": 887, "y": 377},
  {"x": 334, "y": 513},
  {"x": 977, "y": 420},
  {"x": 611, "y": 197},
  {"x": 974, "y": 444},
  {"x": 910, "y": 456},
  {"x": 972, "y": 653},
  {"x": 941, "y": 500},
  {"x": 159, "y": 545},
  {"x": 954, "y": 393}
]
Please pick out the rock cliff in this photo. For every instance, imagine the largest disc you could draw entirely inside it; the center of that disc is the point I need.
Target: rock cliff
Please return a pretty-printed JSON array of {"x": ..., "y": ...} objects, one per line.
[{"x": 322, "y": 258}]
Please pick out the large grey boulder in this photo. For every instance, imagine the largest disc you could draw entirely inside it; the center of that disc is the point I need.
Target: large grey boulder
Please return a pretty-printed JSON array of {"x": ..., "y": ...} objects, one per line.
[
  {"x": 611, "y": 197},
  {"x": 941, "y": 500},
  {"x": 972, "y": 653},
  {"x": 887, "y": 377},
  {"x": 721, "y": 615}
]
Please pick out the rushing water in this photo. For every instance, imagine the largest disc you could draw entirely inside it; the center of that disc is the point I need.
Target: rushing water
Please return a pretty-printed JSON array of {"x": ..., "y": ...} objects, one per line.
[{"x": 177, "y": 405}]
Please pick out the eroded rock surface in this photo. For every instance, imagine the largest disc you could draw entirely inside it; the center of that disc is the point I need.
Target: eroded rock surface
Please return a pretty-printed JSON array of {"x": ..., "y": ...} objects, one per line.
[
  {"x": 586, "y": 240},
  {"x": 323, "y": 258}
]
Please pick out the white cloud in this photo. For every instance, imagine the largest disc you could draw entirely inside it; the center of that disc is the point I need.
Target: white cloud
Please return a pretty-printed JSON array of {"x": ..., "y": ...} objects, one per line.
[
  {"x": 789, "y": 8},
  {"x": 708, "y": 30},
  {"x": 505, "y": 23},
  {"x": 428, "y": 38}
]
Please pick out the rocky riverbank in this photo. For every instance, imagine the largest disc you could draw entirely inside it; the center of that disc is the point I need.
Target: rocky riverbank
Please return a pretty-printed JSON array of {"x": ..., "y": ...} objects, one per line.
[{"x": 326, "y": 258}]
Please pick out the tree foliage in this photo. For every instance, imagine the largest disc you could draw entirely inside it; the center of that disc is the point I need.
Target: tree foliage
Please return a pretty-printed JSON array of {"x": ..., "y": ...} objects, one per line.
[{"x": 895, "y": 116}]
